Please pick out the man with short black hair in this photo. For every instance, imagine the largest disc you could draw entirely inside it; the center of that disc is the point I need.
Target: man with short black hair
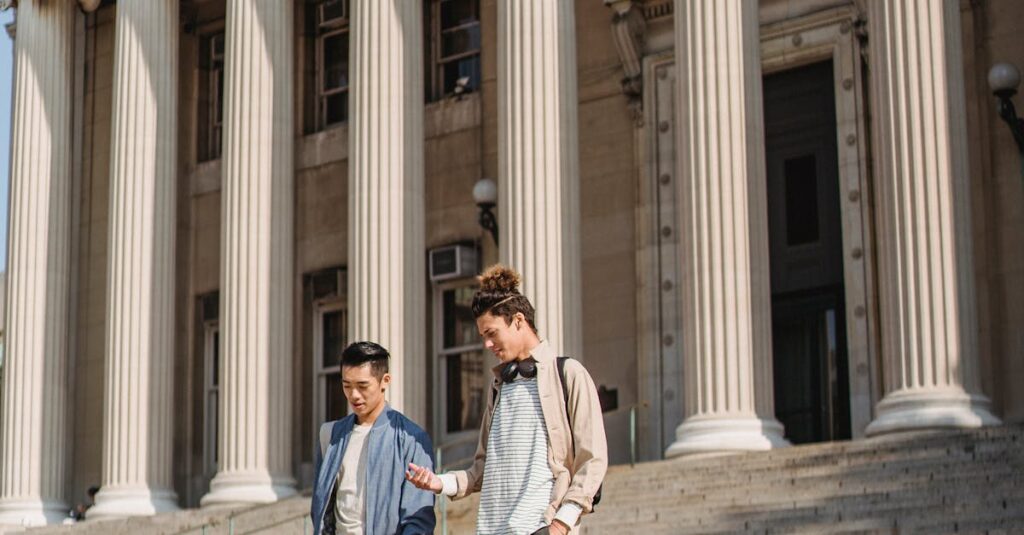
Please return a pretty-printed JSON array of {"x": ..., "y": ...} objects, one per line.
[{"x": 360, "y": 484}]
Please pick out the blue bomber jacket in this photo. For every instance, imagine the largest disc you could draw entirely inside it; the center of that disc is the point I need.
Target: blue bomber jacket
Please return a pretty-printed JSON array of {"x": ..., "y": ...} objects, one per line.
[{"x": 393, "y": 505}]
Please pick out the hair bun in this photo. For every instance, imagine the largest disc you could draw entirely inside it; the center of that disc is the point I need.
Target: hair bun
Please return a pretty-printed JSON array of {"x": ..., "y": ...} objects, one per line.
[{"x": 500, "y": 279}]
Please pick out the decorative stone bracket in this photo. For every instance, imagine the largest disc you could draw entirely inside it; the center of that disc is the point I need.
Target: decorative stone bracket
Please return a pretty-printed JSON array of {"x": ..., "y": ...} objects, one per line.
[
  {"x": 87, "y": 5},
  {"x": 628, "y": 27}
]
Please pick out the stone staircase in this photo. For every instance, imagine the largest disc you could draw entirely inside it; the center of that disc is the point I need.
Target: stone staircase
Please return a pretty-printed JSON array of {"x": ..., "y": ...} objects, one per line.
[{"x": 929, "y": 482}]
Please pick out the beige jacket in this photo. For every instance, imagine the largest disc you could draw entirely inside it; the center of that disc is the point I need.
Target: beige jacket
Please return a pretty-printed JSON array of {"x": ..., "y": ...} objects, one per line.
[{"x": 577, "y": 474}]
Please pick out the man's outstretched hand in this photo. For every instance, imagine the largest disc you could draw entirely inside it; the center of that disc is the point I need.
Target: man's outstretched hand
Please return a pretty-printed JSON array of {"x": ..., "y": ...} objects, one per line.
[{"x": 423, "y": 478}]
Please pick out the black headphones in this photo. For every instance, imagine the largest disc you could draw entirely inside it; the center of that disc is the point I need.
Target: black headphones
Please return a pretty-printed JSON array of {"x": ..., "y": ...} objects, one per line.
[{"x": 525, "y": 368}]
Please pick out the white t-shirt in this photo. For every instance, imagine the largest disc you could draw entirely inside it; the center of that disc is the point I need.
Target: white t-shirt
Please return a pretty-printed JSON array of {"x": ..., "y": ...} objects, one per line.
[{"x": 349, "y": 513}]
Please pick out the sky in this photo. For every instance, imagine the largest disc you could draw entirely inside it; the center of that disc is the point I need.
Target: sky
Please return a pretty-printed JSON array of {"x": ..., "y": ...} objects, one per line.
[{"x": 6, "y": 84}]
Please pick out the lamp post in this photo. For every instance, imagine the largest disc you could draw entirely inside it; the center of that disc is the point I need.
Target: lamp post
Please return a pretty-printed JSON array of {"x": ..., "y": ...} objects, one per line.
[
  {"x": 485, "y": 193},
  {"x": 1003, "y": 79}
]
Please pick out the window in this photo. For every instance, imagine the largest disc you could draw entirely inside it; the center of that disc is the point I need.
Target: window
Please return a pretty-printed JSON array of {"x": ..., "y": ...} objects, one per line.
[
  {"x": 460, "y": 362},
  {"x": 453, "y": 34},
  {"x": 332, "y": 19},
  {"x": 211, "y": 96},
  {"x": 208, "y": 366},
  {"x": 211, "y": 394},
  {"x": 328, "y": 342}
]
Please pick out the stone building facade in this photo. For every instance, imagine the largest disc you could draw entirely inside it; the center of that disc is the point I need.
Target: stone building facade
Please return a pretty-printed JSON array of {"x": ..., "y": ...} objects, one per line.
[{"x": 757, "y": 223}]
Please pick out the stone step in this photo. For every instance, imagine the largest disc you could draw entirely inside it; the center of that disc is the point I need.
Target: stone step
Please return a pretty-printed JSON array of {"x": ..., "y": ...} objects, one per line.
[
  {"x": 903, "y": 497},
  {"x": 750, "y": 463},
  {"x": 880, "y": 514},
  {"x": 636, "y": 488}
]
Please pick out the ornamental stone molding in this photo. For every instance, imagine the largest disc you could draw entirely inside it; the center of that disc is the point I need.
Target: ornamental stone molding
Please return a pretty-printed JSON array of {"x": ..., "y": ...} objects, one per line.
[{"x": 628, "y": 27}]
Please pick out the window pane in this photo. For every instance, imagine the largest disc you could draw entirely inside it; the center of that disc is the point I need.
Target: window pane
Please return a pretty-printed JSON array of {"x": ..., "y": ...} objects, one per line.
[
  {"x": 333, "y": 10},
  {"x": 801, "y": 200},
  {"x": 460, "y": 41},
  {"x": 465, "y": 396},
  {"x": 459, "y": 325},
  {"x": 215, "y": 360},
  {"x": 337, "y": 405},
  {"x": 466, "y": 67},
  {"x": 333, "y": 337},
  {"x": 217, "y": 47},
  {"x": 336, "y": 108},
  {"x": 335, "y": 66},
  {"x": 211, "y": 430},
  {"x": 456, "y": 12}
]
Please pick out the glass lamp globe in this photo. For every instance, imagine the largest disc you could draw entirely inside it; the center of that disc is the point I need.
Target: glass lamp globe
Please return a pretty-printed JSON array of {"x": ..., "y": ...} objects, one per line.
[{"x": 1003, "y": 77}]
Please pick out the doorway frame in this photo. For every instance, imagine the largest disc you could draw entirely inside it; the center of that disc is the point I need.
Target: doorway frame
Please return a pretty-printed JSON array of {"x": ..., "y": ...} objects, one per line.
[
  {"x": 833, "y": 35},
  {"x": 827, "y": 34}
]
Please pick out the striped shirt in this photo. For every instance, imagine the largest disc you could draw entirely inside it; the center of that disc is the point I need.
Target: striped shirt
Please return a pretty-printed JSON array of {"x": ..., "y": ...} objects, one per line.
[{"x": 518, "y": 481}]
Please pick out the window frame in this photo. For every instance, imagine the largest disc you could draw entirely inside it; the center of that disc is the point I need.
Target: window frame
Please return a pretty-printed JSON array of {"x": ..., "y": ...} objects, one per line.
[
  {"x": 436, "y": 60},
  {"x": 326, "y": 29},
  {"x": 210, "y": 146},
  {"x": 211, "y": 410},
  {"x": 439, "y": 355},
  {"x": 320, "y": 372}
]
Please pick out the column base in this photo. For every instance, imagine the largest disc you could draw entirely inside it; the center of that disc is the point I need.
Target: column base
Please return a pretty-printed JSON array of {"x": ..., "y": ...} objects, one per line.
[
  {"x": 124, "y": 501},
  {"x": 905, "y": 410},
  {"x": 242, "y": 488},
  {"x": 716, "y": 434},
  {"x": 31, "y": 512}
]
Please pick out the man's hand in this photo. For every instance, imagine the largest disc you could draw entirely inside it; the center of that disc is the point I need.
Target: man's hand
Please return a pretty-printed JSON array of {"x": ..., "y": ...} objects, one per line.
[
  {"x": 423, "y": 478},
  {"x": 558, "y": 528}
]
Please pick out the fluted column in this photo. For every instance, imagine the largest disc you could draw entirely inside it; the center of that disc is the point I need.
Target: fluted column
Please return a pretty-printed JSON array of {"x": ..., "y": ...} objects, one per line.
[
  {"x": 254, "y": 438},
  {"x": 926, "y": 289},
  {"x": 385, "y": 175},
  {"x": 34, "y": 428},
  {"x": 138, "y": 394},
  {"x": 538, "y": 171},
  {"x": 726, "y": 295}
]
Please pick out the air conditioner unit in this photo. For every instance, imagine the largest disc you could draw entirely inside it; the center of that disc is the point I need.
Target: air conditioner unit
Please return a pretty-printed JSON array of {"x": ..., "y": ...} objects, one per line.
[{"x": 452, "y": 262}]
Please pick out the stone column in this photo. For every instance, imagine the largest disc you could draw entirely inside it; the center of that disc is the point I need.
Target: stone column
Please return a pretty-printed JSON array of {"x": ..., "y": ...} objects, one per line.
[
  {"x": 34, "y": 430},
  {"x": 538, "y": 171},
  {"x": 386, "y": 266},
  {"x": 257, "y": 258},
  {"x": 726, "y": 294},
  {"x": 138, "y": 404},
  {"x": 926, "y": 288}
]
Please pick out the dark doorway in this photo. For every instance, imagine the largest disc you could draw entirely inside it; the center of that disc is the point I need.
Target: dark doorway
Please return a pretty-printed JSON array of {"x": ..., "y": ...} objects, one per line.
[{"x": 812, "y": 395}]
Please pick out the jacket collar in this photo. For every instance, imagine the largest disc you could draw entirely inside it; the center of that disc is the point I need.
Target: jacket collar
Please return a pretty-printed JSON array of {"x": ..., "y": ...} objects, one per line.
[{"x": 543, "y": 354}]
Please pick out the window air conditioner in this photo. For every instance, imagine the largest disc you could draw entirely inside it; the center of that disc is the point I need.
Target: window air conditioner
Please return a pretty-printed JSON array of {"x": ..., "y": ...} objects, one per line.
[{"x": 452, "y": 262}]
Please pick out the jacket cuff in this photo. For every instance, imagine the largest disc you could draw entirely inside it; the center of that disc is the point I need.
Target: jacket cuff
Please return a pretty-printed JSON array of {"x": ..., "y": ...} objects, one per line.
[
  {"x": 569, "y": 513},
  {"x": 449, "y": 485}
]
